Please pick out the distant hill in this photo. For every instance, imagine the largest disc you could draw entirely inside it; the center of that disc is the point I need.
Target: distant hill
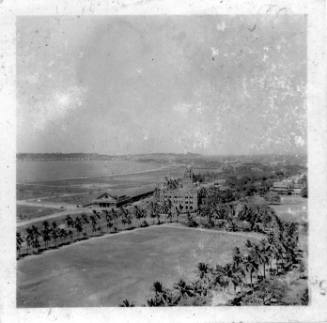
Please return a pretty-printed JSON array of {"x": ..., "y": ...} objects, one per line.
[
  {"x": 61, "y": 156},
  {"x": 196, "y": 160},
  {"x": 155, "y": 157}
]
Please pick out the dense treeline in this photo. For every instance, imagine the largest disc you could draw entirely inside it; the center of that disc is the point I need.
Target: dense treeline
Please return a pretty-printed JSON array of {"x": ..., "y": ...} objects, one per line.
[{"x": 248, "y": 179}]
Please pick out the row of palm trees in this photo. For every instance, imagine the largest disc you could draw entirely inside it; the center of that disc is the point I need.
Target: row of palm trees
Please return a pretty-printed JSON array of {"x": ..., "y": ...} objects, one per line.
[
  {"x": 38, "y": 238},
  {"x": 82, "y": 226},
  {"x": 251, "y": 270}
]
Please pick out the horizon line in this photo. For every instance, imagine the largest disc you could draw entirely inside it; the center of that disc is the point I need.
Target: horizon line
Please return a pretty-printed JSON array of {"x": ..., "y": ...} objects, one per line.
[{"x": 157, "y": 153}]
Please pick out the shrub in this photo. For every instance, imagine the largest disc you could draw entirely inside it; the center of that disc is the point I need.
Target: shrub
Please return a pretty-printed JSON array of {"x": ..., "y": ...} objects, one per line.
[
  {"x": 144, "y": 224},
  {"x": 305, "y": 297},
  {"x": 304, "y": 192},
  {"x": 192, "y": 223},
  {"x": 267, "y": 292},
  {"x": 272, "y": 198},
  {"x": 208, "y": 224}
]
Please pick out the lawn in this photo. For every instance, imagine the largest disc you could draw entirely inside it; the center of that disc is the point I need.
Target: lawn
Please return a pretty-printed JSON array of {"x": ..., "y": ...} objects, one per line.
[
  {"x": 292, "y": 208},
  {"x": 30, "y": 212},
  {"x": 103, "y": 271}
]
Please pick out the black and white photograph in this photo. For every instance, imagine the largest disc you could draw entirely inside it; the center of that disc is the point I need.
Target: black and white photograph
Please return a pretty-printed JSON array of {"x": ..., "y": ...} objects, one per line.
[{"x": 162, "y": 160}]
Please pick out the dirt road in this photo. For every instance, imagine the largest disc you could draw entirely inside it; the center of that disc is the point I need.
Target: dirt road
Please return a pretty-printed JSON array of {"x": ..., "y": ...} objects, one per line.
[{"x": 53, "y": 215}]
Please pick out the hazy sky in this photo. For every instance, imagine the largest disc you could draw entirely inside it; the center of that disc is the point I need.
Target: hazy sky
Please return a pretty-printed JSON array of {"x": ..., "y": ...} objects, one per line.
[{"x": 142, "y": 84}]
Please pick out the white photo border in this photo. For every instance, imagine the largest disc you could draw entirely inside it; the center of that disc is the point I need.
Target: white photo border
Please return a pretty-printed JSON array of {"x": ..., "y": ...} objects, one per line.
[{"x": 317, "y": 160}]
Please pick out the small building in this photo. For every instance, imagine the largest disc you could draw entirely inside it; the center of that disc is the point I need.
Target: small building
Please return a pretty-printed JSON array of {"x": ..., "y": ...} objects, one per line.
[
  {"x": 283, "y": 188},
  {"x": 219, "y": 183},
  {"x": 105, "y": 200}
]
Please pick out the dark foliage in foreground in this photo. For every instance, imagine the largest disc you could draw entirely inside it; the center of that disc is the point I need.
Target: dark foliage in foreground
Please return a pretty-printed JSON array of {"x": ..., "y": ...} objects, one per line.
[{"x": 255, "y": 276}]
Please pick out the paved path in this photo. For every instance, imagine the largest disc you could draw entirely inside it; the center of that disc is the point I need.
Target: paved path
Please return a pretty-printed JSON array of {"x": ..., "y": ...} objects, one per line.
[
  {"x": 240, "y": 234},
  {"x": 51, "y": 205},
  {"x": 33, "y": 199}
]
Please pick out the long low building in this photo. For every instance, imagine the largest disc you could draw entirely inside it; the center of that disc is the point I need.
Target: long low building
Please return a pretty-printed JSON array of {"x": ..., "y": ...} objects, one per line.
[
  {"x": 287, "y": 187},
  {"x": 107, "y": 200}
]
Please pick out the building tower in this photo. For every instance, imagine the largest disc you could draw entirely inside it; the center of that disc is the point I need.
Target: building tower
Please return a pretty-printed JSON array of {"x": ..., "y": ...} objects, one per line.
[{"x": 188, "y": 176}]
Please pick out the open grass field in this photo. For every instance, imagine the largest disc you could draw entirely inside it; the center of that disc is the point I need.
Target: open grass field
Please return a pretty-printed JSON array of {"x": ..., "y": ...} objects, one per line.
[
  {"x": 292, "y": 208},
  {"x": 89, "y": 273},
  {"x": 29, "y": 212}
]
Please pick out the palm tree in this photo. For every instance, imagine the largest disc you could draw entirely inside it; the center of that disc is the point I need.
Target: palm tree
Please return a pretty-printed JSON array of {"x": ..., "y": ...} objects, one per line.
[
  {"x": 265, "y": 252},
  {"x": 123, "y": 221},
  {"x": 170, "y": 204},
  {"x": 233, "y": 225},
  {"x": 62, "y": 234},
  {"x": 259, "y": 257},
  {"x": 269, "y": 290},
  {"x": 138, "y": 214},
  {"x": 46, "y": 233},
  {"x": 170, "y": 216},
  {"x": 220, "y": 277},
  {"x": 85, "y": 218},
  {"x": 36, "y": 235},
  {"x": 54, "y": 232},
  {"x": 157, "y": 215},
  {"x": 29, "y": 237},
  {"x": 184, "y": 289},
  {"x": 78, "y": 225},
  {"x": 70, "y": 234},
  {"x": 237, "y": 258},
  {"x": 126, "y": 303},
  {"x": 93, "y": 223},
  {"x": 153, "y": 215},
  {"x": 129, "y": 220},
  {"x": 69, "y": 221},
  {"x": 109, "y": 221},
  {"x": 203, "y": 269},
  {"x": 162, "y": 296},
  {"x": 164, "y": 207},
  {"x": 251, "y": 266},
  {"x": 158, "y": 288},
  {"x": 97, "y": 214},
  {"x": 114, "y": 215},
  {"x": 177, "y": 212},
  {"x": 237, "y": 279},
  {"x": 153, "y": 302},
  {"x": 19, "y": 241},
  {"x": 233, "y": 275},
  {"x": 248, "y": 244},
  {"x": 200, "y": 287}
]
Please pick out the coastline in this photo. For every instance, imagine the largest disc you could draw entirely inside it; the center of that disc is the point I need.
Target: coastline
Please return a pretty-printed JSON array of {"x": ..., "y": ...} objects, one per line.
[{"x": 39, "y": 183}]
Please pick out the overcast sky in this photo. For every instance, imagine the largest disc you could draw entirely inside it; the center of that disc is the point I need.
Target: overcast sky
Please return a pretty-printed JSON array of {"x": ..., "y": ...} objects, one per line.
[{"x": 131, "y": 84}]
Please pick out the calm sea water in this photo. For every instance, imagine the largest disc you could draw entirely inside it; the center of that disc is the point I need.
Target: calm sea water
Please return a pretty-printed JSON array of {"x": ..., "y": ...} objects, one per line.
[{"x": 32, "y": 171}]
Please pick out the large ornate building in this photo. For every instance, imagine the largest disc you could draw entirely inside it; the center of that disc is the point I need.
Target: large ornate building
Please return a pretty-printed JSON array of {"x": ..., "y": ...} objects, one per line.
[{"x": 183, "y": 196}]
